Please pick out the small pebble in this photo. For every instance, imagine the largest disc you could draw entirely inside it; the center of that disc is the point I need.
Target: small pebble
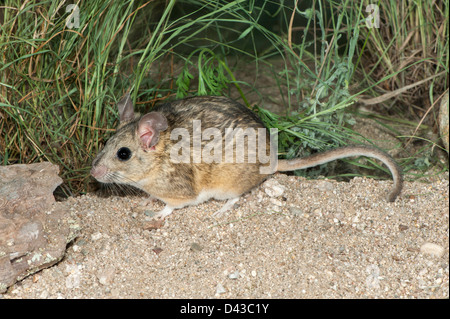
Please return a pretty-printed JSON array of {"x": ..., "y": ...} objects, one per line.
[
  {"x": 106, "y": 276},
  {"x": 276, "y": 202},
  {"x": 432, "y": 249},
  {"x": 234, "y": 275},
  {"x": 273, "y": 188},
  {"x": 149, "y": 213},
  {"x": 196, "y": 247},
  {"x": 220, "y": 289},
  {"x": 324, "y": 186},
  {"x": 96, "y": 236},
  {"x": 295, "y": 211}
]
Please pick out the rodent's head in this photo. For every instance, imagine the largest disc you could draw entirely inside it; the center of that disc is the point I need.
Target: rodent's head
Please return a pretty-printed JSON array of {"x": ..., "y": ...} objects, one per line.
[{"x": 127, "y": 155}]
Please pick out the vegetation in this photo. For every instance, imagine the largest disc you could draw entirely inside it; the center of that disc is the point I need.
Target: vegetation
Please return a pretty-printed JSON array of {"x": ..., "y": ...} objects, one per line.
[{"x": 63, "y": 67}]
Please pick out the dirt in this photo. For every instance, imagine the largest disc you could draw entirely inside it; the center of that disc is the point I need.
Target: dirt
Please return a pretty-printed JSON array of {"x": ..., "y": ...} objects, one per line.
[{"x": 289, "y": 238}]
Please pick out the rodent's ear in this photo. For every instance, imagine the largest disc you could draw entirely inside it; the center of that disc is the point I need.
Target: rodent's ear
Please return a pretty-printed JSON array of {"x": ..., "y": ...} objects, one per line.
[
  {"x": 149, "y": 127},
  {"x": 125, "y": 107}
]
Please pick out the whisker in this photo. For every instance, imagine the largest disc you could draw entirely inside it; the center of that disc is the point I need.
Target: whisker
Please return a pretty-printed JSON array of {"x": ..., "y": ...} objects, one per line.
[{"x": 121, "y": 186}]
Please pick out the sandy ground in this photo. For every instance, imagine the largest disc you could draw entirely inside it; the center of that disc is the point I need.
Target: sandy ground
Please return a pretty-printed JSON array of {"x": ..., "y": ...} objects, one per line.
[{"x": 289, "y": 238}]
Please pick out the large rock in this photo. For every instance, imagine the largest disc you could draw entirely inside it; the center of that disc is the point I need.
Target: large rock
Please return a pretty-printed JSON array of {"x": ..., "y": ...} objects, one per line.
[{"x": 33, "y": 235}]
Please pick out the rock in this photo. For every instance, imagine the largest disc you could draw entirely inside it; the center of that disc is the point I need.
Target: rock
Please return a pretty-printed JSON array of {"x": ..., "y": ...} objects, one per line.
[
  {"x": 234, "y": 275},
  {"x": 273, "y": 188},
  {"x": 220, "y": 289},
  {"x": 106, "y": 276},
  {"x": 432, "y": 249},
  {"x": 33, "y": 234},
  {"x": 443, "y": 121},
  {"x": 196, "y": 247},
  {"x": 27, "y": 189},
  {"x": 73, "y": 279},
  {"x": 295, "y": 211},
  {"x": 324, "y": 186},
  {"x": 276, "y": 202},
  {"x": 153, "y": 224},
  {"x": 96, "y": 236}
]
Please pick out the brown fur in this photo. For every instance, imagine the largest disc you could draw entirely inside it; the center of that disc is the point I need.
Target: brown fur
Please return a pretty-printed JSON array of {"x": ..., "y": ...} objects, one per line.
[
  {"x": 181, "y": 184},
  {"x": 178, "y": 182}
]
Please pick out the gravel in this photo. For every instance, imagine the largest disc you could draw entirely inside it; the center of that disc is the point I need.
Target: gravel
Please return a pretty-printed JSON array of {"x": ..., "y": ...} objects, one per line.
[{"x": 289, "y": 238}]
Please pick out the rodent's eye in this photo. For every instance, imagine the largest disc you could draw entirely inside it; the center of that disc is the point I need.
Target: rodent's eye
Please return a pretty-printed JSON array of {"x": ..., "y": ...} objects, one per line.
[{"x": 124, "y": 154}]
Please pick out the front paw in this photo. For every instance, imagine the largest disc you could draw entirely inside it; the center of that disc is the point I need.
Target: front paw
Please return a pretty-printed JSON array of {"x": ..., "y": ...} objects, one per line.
[{"x": 166, "y": 211}]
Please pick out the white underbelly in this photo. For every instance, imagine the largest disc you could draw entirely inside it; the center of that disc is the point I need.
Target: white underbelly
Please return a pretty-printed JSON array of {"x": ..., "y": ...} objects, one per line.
[{"x": 216, "y": 194}]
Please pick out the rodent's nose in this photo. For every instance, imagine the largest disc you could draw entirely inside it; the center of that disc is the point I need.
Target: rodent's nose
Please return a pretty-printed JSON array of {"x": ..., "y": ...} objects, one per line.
[{"x": 98, "y": 171}]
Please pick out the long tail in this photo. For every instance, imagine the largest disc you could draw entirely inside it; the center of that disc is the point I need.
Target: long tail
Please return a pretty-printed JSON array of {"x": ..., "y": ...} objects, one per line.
[{"x": 348, "y": 151}]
